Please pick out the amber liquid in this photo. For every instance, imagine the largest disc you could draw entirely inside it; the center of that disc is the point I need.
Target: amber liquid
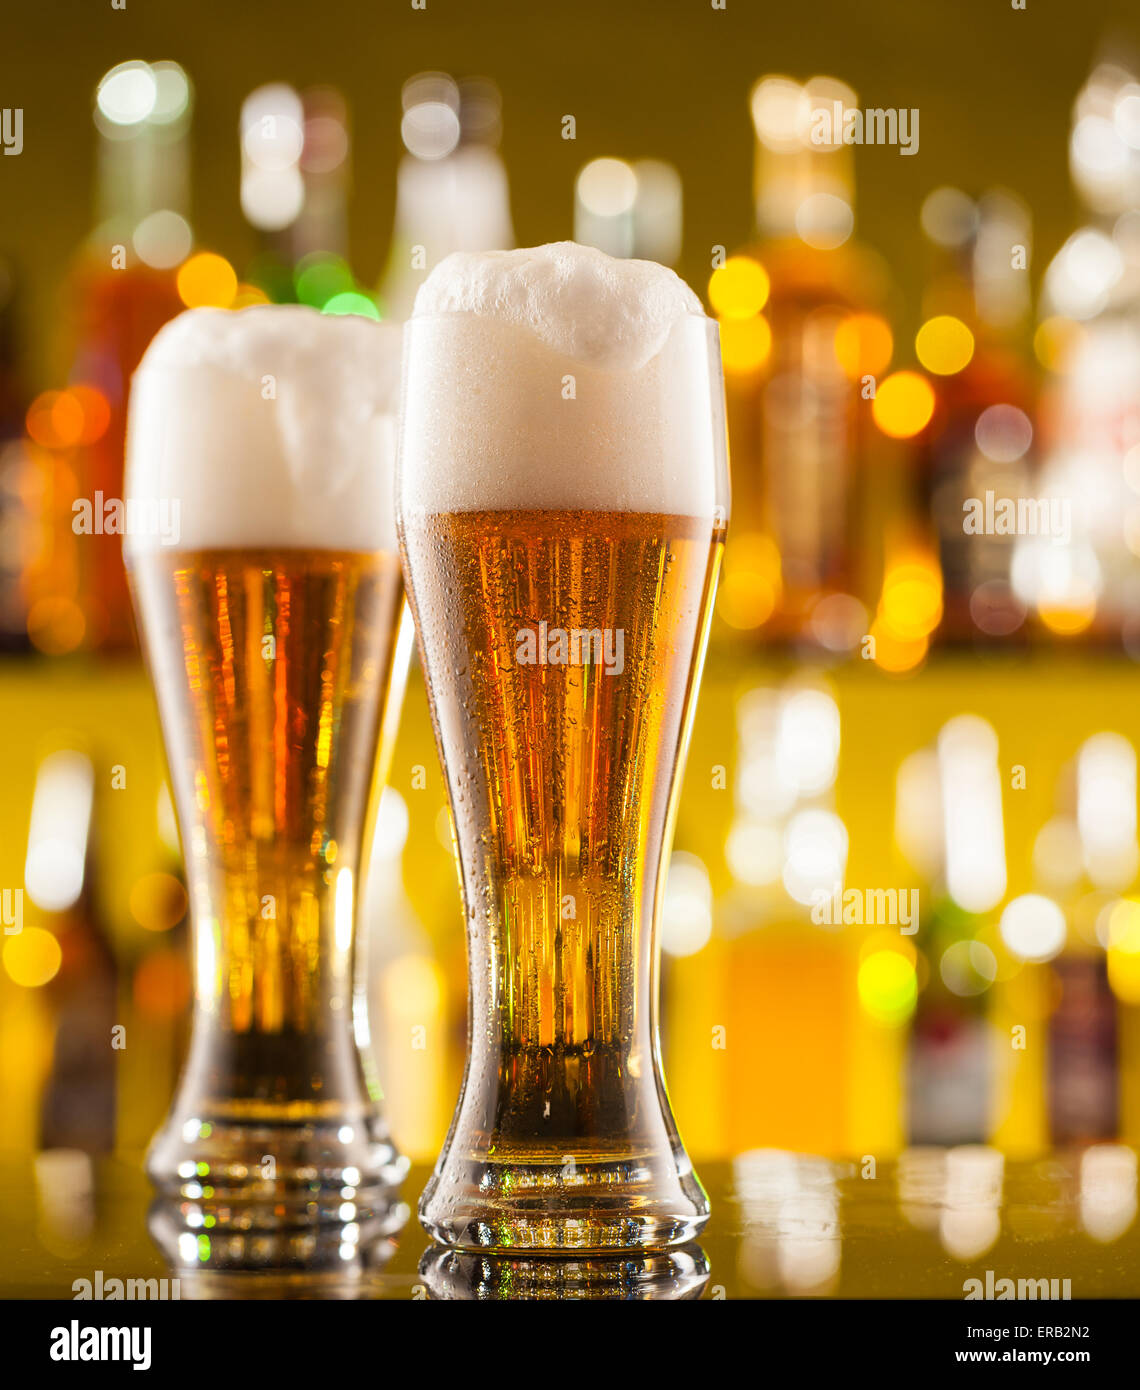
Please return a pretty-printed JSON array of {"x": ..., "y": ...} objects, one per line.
[
  {"x": 273, "y": 670},
  {"x": 561, "y": 775}
]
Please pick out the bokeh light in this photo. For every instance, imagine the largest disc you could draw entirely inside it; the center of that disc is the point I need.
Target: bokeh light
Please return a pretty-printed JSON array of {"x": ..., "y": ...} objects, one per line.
[
  {"x": 55, "y": 420},
  {"x": 888, "y": 986},
  {"x": 863, "y": 345},
  {"x": 32, "y": 957},
  {"x": 352, "y": 302},
  {"x": 911, "y": 603},
  {"x": 1033, "y": 927},
  {"x": 1055, "y": 340},
  {"x": 739, "y": 288},
  {"x": 745, "y": 344},
  {"x": 163, "y": 239},
  {"x": 56, "y": 625},
  {"x": 207, "y": 280},
  {"x": 896, "y": 654},
  {"x": 903, "y": 404},
  {"x": 1003, "y": 433},
  {"x": 687, "y": 910},
  {"x": 320, "y": 277},
  {"x": 158, "y": 902},
  {"x": 944, "y": 345},
  {"x": 127, "y": 94},
  {"x": 751, "y": 585}
]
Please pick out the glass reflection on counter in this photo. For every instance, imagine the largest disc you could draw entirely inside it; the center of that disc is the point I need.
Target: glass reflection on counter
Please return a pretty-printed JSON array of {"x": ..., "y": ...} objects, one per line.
[{"x": 465, "y": 1275}]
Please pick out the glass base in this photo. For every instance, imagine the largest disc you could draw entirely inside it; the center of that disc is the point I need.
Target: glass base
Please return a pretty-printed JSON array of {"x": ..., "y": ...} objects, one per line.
[
  {"x": 572, "y": 1206},
  {"x": 339, "y": 1260},
  {"x": 467, "y": 1276},
  {"x": 259, "y": 1174}
]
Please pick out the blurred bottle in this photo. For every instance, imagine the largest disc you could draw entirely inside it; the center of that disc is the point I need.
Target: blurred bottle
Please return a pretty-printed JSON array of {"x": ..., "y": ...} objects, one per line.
[
  {"x": 976, "y": 455},
  {"x": 793, "y": 405},
  {"x": 1083, "y": 1091},
  {"x": 322, "y": 276},
  {"x": 326, "y": 170},
  {"x": 1090, "y": 339},
  {"x": 17, "y": 475},
  {"x": 1083, "y": 1066},
  {"x": 406, "y": 993},
  {"x": 451, "y": 189},
  {"x": 629, "y": 209},
  {"x": 296, "y": 178},
  {"x": 788, "y": 961},
  {"x": 78, "y": 1105},
  {"x": 950, "y": 1062},
  {"x": 121, "y": 292},
  {"x": 272, "y": 131}
]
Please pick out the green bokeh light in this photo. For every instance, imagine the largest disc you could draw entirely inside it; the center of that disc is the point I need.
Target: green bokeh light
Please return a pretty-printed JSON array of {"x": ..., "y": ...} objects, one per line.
[
  {"x": 321, "y": 277},
  {"x": 352, "y": 302}
]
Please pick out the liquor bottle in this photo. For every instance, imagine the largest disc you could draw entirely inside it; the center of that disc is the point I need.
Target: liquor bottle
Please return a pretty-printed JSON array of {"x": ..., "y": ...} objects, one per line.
[
  {"x": 976, "y": 455},
  {"x": 1083, "y": 1028},
  {"x": 406, "y": 993},
  {"x": 787, "y": 964},
  {"x": 793, "y": 409},
  {"x": 950, "y": 1063},
  {"x": 272, "y": 130},
  {"x": 78, "y": 1103},
  {"x": 122, "y": 291},
  {"x": 16, "y": 475},
  {"x": 1091, "y": 298},
  {"x": 451, "y": 189},
  {"x": 629, "y": 209}
]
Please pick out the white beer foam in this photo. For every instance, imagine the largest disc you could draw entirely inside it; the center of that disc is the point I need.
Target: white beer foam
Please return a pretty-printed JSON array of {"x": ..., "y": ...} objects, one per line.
[
  {"x": 272, "y": 426},
  {"x": 560, "y": 377}
]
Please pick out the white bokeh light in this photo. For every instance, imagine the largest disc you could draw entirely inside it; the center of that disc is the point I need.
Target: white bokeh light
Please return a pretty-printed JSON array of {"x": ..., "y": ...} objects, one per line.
[{"x": 1033, "y": 927}]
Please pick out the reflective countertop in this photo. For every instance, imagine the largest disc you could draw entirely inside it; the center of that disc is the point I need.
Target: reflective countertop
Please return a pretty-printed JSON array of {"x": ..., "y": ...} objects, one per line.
[{"x": 783, "y": 1225}]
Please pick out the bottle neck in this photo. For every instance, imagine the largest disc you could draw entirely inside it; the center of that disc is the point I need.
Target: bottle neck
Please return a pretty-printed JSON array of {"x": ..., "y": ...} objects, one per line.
[
  {"x": 793, "y": 188},
  {"x": 142, "y": 171}
]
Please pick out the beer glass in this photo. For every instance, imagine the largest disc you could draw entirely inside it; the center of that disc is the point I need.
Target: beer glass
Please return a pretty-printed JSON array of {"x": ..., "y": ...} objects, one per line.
[
  {"x": 561, "y": 502},
  {"x": 267, "y": 587}
]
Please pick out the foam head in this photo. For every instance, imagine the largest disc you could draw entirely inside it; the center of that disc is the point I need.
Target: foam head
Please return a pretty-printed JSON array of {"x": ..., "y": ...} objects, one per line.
[
  {"x": 560, "y": 377},
  {"x": 273, "y": 426}
]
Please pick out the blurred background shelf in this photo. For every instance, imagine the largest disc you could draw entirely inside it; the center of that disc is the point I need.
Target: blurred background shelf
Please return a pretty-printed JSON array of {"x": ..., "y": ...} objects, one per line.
[{"x": 815, "y": 1055}]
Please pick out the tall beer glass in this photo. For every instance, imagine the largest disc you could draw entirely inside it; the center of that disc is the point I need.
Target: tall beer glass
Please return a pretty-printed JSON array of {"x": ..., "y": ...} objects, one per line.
[
  {"x": 262, "y": 557},
  {"x": 562, "y": 500}
]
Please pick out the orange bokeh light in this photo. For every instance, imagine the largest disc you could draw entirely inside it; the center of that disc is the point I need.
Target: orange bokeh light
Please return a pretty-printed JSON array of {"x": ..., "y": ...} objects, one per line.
[
  {"x": 207, "y": 280},
  {"x": 96, "y": 411},
  {"x": 158, "y": 902},
  {"x": 903, "y": 404},
  {"x": 863, "y": 345},
  {"x": 56, "y": 625},
  {"x": 55, "y": 420}
]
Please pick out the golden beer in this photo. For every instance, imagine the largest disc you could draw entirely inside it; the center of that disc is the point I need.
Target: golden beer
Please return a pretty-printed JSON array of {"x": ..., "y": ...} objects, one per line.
[
  {"x": 273, "y": 670},
  {"x": 562, "y": 775}
]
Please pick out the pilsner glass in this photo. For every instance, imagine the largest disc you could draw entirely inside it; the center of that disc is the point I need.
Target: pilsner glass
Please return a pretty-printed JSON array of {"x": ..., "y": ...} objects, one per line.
[
  {"x": 271, "y": 615},
  {"x": 561, "y": 516}
]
